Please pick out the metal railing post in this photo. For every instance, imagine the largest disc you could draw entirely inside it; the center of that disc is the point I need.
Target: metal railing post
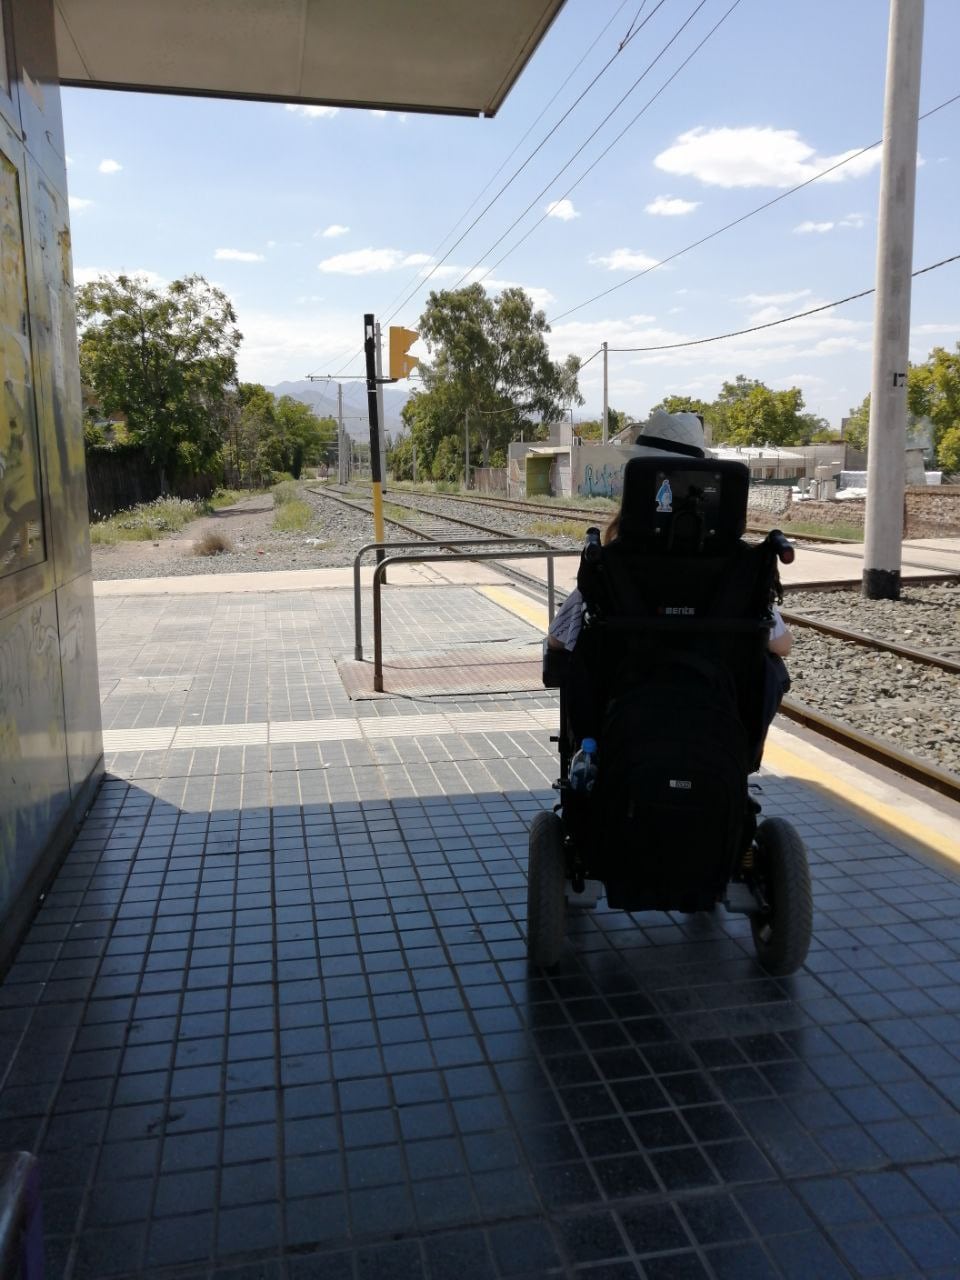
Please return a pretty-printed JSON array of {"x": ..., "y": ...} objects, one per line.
[
  {"x": 549, "y": 553},
  {"x": 506, "y": 540}
]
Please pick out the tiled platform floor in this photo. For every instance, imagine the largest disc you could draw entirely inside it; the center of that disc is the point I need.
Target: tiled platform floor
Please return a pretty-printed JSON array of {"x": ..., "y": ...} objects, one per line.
[{"x": 275, "y": 1019}]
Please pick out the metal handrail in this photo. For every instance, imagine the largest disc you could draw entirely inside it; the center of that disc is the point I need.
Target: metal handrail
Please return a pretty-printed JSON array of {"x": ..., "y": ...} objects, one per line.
[
  {"x": 418, "y": 542},
  {"x": 550, "y": 554}
]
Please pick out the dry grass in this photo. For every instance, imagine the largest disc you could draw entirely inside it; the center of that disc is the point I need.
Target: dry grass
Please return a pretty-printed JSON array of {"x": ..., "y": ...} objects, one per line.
[
  {"x": 575, "y": 529},
  {"x": 212, "y": 544},
  {"x": 147, "y": 522},
  {"x": 293, "y": 517}
]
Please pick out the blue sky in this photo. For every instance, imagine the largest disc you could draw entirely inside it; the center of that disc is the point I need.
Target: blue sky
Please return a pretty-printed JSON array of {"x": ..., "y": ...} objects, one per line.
[{"x": 308, "y": 219}]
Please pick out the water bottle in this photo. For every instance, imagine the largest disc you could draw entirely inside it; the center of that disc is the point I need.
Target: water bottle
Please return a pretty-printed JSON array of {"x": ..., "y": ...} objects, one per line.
[{"x": 583, "y": 767}]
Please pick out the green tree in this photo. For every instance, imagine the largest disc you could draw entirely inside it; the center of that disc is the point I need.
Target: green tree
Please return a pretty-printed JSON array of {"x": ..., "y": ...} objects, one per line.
[
  {"x": 933, "y": 391},
  {"x": 857, "y": 426},
  {"x": 448, "y": 460},
  {"x": 489, "y": 358},
  {"x": 948, "y": 451},
  {"x": 277, "y": 435},
  {"x": 166, "y": 360},
  {"x": 592, "y": 429}
]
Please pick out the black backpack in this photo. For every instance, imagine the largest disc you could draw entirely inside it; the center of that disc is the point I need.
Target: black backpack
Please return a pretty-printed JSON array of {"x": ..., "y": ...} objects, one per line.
[{"x": 671, "y": 792}]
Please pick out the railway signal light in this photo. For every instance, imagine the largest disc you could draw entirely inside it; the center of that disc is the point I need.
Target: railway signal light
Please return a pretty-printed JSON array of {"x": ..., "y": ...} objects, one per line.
[{"x": 401, "y": 340}]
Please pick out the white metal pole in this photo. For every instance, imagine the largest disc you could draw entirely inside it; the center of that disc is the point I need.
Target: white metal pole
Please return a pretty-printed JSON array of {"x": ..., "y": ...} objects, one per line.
[
  {"x": 466, "y": 449},
  {"x": 606, "y": 403},
  {"x": 891, "y": 330}
]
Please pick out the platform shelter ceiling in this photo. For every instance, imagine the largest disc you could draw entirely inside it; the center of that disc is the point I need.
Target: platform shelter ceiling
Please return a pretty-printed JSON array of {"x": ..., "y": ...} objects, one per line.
[{"x": 448, "y": 56}]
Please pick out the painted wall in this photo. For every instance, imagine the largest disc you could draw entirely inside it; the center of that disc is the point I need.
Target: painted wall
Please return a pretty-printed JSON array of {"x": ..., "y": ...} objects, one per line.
[
  {"x": 50, "y": 739},
  {"x": 597, "y": 470}
]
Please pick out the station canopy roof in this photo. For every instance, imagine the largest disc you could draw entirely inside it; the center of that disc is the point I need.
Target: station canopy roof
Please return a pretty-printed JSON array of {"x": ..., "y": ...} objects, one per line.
[{"x": 448, "y": 56}]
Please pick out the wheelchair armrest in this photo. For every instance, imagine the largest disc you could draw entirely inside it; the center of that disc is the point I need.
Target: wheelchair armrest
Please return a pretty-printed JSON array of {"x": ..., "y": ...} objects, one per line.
[{"x": 555, "y": 664}]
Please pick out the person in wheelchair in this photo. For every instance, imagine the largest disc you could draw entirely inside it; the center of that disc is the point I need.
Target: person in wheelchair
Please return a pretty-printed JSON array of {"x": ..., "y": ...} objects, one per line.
[
  {"x": 677, "y": 435},
  {"x": 668, "y": 645}
]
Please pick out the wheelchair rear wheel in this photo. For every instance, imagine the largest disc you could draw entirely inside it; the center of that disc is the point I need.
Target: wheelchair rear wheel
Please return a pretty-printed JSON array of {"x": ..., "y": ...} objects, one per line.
[
  {"x": 781, "y": 933},
  {"x": 546, "y": 890}
]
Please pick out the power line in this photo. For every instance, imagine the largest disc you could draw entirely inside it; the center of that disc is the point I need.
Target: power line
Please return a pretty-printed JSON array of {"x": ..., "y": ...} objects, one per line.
[
  {"x": 540, "y": 194},
  {"x": 631, "y": 33},
  {"x": 516, "y": 173},
  {"x": 743, "y": 217},
  {"x": 649, "y": 103},
  {"x": 772, "y": 324},
  {"x": 564, "y": 82}
]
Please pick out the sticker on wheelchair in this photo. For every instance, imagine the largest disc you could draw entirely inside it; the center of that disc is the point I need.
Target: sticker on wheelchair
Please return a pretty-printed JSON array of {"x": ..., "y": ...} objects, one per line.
[{"x": 665, "y": 497}]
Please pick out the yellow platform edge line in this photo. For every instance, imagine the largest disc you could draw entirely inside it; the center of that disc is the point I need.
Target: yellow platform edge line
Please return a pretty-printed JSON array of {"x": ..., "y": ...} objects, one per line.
[
  {"x": 515, "y": 602},
  {"x": 847, "y": 783},
  {"x": 843, "y": 783}
]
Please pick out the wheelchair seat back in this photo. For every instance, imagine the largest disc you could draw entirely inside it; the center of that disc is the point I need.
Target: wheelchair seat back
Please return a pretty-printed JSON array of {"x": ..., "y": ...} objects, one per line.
[{"x": 667, "y": 674}]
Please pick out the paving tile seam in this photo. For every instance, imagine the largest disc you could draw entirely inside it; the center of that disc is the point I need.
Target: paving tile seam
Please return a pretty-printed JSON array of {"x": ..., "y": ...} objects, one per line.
[{"x": 265, "y": 732}]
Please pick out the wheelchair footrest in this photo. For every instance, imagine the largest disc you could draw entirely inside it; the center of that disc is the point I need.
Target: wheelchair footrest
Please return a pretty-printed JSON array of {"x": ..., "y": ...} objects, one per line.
[
  {"x": 589, "y": 896},
  {"x": 740, "y": 898}
]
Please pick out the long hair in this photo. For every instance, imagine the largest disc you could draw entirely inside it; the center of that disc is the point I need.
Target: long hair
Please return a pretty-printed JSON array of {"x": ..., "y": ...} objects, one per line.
[{"x": 612, "y": 529}]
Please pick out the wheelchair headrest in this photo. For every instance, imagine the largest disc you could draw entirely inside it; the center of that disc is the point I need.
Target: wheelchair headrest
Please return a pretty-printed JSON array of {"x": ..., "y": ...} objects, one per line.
[{"x": 683, "y": 506}]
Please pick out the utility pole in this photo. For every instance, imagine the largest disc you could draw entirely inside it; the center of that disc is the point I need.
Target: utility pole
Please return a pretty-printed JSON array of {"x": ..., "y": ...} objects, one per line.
[
  {"x": 413, "y": 450},
  {"x": 891, "y": 330},
  {"x": 466, "y": 449},
  {"x": 606, "y": 405},
  {"x": 376, "y": 479},
  {"x": 380, "y": 413}
]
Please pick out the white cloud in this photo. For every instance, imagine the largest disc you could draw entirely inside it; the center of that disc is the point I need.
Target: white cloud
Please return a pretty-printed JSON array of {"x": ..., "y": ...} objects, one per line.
[
  {"x": 379, "y": 114},
  {"x": 852, "y": 221},
  {"x": 78, "y": 204},
  {"x": 624, "y": 260},
  {"x": 773, "y": 299},
  {"x": 109, "y": 166},
  {"x": 330, "y": 233},
  {"x": 86, "y": 275},
  {"x": 540, "y": 297},
  {"x": 69, "y": 159},
  {"x": 671, "y": 206},
  {"x": 237, "y": 255},
  {"x": 312, "y": 113},
  {"x": 562, "y": 209},
  {"x": 936, "y": 328},
  {"x": 755, "y": 157},
  {"x": 363, "y": 262}
]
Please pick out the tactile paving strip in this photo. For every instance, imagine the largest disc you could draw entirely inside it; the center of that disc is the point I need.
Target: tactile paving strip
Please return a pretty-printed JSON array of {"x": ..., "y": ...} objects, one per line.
[{"x": 486, "y": 669}]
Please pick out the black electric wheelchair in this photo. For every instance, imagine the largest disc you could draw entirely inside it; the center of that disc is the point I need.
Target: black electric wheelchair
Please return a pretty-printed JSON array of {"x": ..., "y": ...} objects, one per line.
[{"x": 669, "y": 676}]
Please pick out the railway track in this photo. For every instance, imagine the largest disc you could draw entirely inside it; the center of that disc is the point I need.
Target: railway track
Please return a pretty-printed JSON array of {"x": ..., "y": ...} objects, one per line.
[
  {"x": 433, "y": 530},
  {"x": 591, "y": 515},
  {"x": 435, "y": 527}
]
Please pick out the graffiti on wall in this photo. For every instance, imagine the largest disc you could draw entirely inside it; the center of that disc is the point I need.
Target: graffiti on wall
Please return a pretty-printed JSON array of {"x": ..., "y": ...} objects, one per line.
[
  {"x": 602, "y": 482},
  {"x": 21, "y": 512}
]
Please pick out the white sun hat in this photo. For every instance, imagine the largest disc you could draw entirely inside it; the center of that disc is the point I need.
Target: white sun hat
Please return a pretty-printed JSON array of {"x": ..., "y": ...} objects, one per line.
[{"x": 673, "y": 433}]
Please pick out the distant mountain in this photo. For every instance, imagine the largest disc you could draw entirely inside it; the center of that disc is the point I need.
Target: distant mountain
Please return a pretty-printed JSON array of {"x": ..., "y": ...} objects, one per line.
[{"x": 322, "y": 399}]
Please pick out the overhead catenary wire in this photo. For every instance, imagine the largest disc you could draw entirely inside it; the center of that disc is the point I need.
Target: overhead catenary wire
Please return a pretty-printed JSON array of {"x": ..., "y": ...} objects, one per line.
[
  {"x": 564, "y": 82},
  {"x": 593, "y": 164},
  {"x": 772, "y": 324},
  {"x": 633, "y": 31},
  {"x": 586, "y": 142},
  {"x": 516, "y": 173},
  {"x": 727, "y": 226}
]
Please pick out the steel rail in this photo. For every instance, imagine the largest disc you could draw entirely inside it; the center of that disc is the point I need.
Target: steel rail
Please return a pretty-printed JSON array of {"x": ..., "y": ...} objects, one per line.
[
  {"x": 525, "y": 580},
  {"x": 865, "y": 744},
  {"x": 871, "y": 642}
]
